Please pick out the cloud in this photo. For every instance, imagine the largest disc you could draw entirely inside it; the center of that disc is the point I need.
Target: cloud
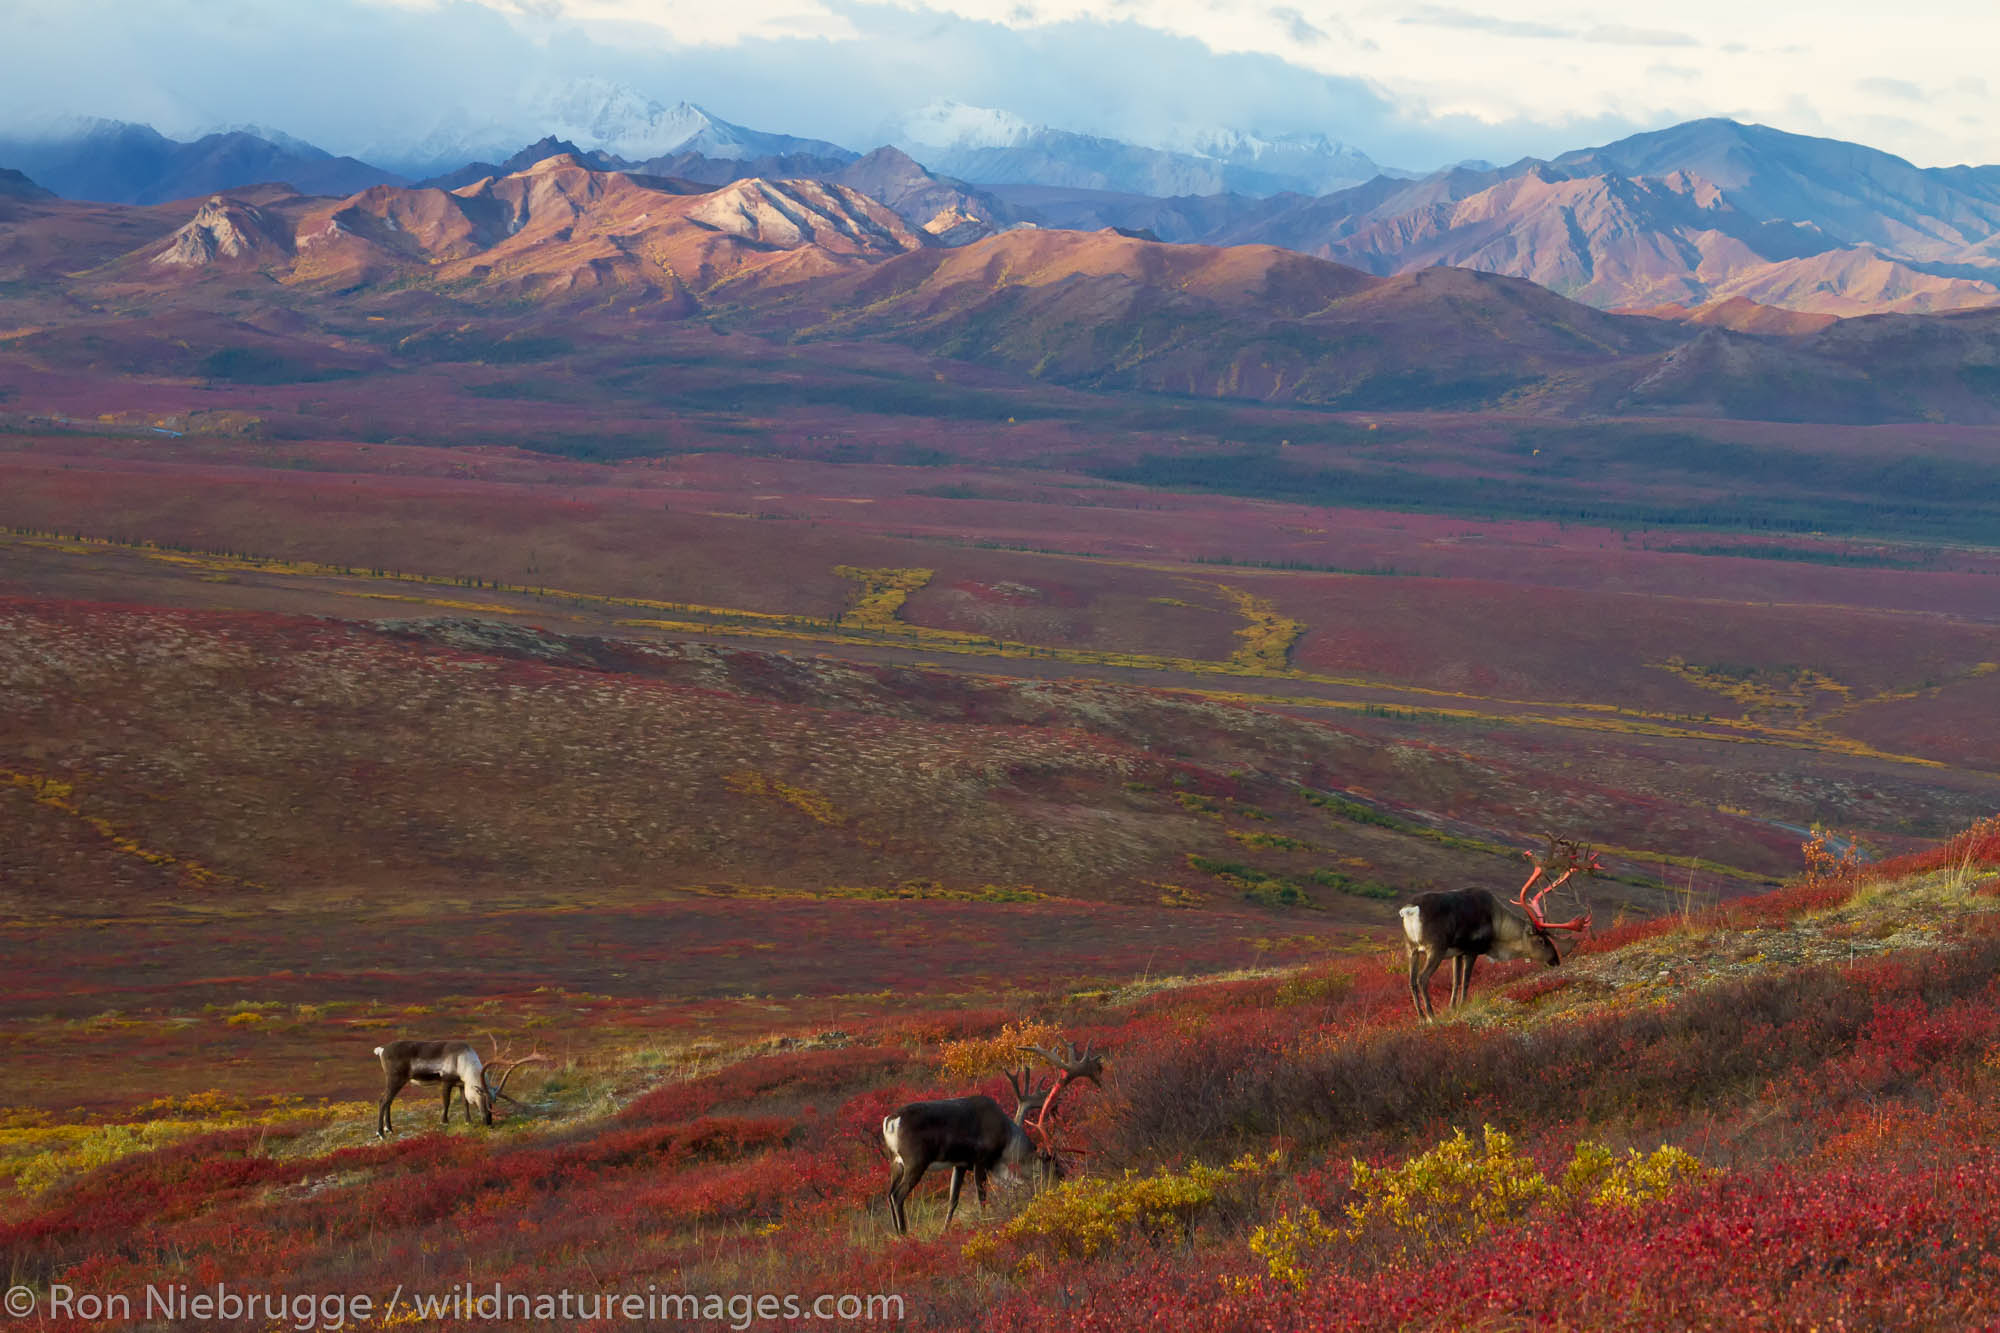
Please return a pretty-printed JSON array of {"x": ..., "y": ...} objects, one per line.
[
  {"x": 1412, "y": 87},
  {"x": 1437, "y": 16},
  {"x": 1607, "y": 34},
  {"x": 1298, "y": 28},
  {"x": 1900, "y": 89},
  {"x": 1617, "y": 34},
  {"x": 337, "y": 69},
  {"x": 382, "y": 73}
]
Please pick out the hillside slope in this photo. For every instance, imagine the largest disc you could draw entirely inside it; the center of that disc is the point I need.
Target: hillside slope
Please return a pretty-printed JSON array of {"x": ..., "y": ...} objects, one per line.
[
  {"x": 1112, "y": 311},
  {"x": 1878, "y": 368},
  {"x": 1775, "y": 1116}
]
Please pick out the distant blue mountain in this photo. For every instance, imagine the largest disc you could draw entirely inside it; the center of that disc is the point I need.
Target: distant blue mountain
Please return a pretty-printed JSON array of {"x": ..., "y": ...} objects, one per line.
[{"x": 114, "y": 161}]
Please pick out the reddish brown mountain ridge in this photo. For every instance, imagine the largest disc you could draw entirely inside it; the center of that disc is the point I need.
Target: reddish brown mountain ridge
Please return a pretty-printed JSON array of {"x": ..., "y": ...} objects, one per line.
[{"x": 565, "y": 251}]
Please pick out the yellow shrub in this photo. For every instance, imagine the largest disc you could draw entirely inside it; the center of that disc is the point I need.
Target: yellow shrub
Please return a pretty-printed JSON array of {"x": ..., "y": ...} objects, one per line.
[
  {"x": 1283, "y": 1244},
  {"x": 35, "y": 1154},
  {"x": 1080, "y": 1218},
  {"x": 1456, "y": 1191},
  {"x": 89, "y": 1147},
  {"x": 1268, "y": 638},
  {"x": 1459, "y": 1190},
  {"x": 212, "y": 1104},
  {"x": 883, "y": 592},
  {"x": 1595, "y": 1176},
  {"x": 976, "y": 1057},
  {"x": 1316, "y": 987}
]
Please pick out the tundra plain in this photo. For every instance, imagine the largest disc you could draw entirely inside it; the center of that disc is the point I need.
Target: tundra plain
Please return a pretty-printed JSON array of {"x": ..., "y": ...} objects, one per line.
[{"x": 772, "y": 729}]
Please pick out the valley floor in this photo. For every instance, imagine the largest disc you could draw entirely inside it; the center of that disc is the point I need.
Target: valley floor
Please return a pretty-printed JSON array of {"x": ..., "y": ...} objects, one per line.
[{"x": 759, "y": 799}]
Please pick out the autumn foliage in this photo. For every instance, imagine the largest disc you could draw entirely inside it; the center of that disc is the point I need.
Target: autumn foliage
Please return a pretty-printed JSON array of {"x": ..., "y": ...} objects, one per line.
[{"x": 1795, "y": 1145}]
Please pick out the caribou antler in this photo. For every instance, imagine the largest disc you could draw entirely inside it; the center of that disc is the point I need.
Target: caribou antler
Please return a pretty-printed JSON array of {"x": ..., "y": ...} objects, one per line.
[
  {"x": 500, "y": 1090},
  {"x": 1572, "y": 856},
  {"x": 1084, "y": 1063},
  {"x": 1025, "y": 1096}
]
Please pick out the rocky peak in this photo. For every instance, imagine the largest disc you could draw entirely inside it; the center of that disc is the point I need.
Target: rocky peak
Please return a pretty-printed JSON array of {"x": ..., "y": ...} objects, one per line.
[
  {"x": 222, "y": 229},
  {"x": 789, "y": 214}
]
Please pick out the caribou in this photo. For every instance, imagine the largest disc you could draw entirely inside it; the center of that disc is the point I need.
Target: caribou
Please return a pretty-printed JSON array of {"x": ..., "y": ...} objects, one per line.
[
  {"x": 453, "y": 1063},
  {"x": 1466, "y": 925},
  {"x": 973, "y": 1134}
]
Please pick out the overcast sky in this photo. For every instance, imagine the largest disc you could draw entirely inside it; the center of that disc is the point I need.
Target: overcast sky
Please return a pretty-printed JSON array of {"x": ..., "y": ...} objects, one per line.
[{"x": 1411, "y": 84}]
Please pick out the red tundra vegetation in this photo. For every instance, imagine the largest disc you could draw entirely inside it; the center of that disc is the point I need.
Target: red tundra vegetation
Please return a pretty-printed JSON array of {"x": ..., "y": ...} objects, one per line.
[{"x": 1775, "y": 1114}]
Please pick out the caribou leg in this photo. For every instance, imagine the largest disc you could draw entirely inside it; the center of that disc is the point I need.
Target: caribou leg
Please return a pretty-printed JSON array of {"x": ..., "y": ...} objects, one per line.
[
  {"x": 900, "y": 1189},
  {"x": 1422, "y": 986},
  {"x": 1417, "y": 996},
  {"x": 383, "y": 1123},
  {"x": 1461, "y": 978},
  {"x": 895, "y": 1205},
  {"x": 957, "y": 1183}
]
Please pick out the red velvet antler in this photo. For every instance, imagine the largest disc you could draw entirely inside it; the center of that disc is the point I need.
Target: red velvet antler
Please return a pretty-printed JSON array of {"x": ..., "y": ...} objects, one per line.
[
  {"x": 1578, "y": 857},
  {"x": 1085, "y": 1063}
]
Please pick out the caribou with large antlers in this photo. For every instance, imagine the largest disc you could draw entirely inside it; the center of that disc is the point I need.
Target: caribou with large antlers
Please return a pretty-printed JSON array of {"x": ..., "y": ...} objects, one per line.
[
  {"x": 1470, "y": 924},
  {"x": 453, "y": 1063},
  {"x": 973, "y": 1134}
]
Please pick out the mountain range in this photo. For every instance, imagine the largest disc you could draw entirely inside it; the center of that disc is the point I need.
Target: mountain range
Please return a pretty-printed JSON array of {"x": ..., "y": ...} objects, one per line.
[
  {"x": 950, "y": 211},
  {"x": 1701, "y": 212},
  {"x": 563, "y": 248},
  {"x": 1710, "y": 220},
  {"x": 111, "y": 161}
]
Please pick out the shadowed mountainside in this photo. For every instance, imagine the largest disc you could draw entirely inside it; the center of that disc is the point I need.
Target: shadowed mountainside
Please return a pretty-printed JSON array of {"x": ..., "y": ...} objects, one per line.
[
  {"x": 1106, "y": 310},
  {"x": 110, "y": 161}
]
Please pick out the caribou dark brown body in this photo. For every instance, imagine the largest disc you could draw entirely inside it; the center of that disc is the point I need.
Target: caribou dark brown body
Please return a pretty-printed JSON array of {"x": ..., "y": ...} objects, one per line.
[
  {"x": 964, "y": 1133},
  {"x": 1465, "y": 925}
]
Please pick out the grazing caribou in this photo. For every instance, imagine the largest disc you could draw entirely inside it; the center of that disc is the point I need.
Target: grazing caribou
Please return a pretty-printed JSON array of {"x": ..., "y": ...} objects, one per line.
[
  {"x": 974, "y": 1134},
  {"x": 453, "y": 1063},
  {"x": 1468, "y": 924}
]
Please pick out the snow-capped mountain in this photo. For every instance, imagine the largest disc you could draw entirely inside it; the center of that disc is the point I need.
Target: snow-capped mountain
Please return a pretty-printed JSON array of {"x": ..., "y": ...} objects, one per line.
[
  {"x": 949, "y": 124},
  {"x": 1320, "y": 164},
  {"x": 611, "y": 118},
  {"x": 997, "y": 147},
  {"x": 596, "y": 115},
  {"x": 452, "y": 140}
]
